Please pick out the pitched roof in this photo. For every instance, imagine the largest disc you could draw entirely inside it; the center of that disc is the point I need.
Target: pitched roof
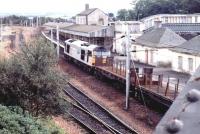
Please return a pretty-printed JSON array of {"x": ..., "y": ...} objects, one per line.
[
  {"x": 84, "y": 28},
  {"x": 190, "y": 47},
  {"x": 87, "y": 12},
  {"x": 160, "y": 38},
  {"x": 183, "y": 27},
  {"x": 60, "y": 25}
]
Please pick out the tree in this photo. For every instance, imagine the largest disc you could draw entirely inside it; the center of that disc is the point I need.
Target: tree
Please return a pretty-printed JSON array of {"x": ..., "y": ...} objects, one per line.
[
  {"x": 122, "y": 15},
  {"x": 131, "y": 15},
  {"x": 111, "y": 15},
  {"x": 144, "y": 8},
  {"x": 30, "y": 80},
  {"x": 191, "y": 6},
  {"x": 13, "y": 121}
]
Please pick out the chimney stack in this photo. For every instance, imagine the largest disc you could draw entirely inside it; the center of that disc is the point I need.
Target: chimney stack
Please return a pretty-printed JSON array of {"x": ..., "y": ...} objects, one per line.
[
  {"x": 87, "y": 6},
  {"x": 158, "y": 24}
]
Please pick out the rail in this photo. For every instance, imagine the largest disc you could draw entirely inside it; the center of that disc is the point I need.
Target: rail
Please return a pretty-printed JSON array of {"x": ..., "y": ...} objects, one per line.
[
  {"x": 97, "y": 110},
  {"x": 88, "y": 120}
]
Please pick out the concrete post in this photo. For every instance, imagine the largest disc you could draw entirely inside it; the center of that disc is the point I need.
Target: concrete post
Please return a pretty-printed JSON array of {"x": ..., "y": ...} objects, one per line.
[
  {"x": 51, "y": 35},
  {"x": 127, "y": 67},
  {"x": 1, "y": 31}
]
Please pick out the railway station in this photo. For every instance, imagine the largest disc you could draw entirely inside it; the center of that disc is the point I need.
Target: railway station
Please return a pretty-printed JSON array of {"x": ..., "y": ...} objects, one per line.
[
  {"x": 129, "y": 72},
  {"x": 150, "y": 83}
]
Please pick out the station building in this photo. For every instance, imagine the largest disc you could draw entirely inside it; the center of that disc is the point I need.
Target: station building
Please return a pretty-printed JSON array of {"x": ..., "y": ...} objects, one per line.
[
  {"x": 154, "y": 47},
  {"x": 186, "y": 57},
  {"x": 170, "y": 19},
  {"x": 91, "y": 26},
  {"x": 92, "y": 16}
]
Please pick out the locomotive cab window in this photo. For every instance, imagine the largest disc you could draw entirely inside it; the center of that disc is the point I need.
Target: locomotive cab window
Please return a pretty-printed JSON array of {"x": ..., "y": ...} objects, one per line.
[
  {"x": 82, "y": 54},
  {"x": 101, "y": 51},
  {"x": 89, "y": 53},
  {"x": 68, "y": 48}
]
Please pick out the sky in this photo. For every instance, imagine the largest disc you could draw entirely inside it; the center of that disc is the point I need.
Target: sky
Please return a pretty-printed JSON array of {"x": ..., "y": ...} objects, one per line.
[{"x": 65, "y": 7}]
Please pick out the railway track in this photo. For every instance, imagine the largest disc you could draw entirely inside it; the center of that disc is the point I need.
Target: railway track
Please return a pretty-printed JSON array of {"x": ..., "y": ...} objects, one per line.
[
  {"x": 153, "y": 100},
  {"x": 89, "y": 121},
  {"x": 98, "y": 111}
]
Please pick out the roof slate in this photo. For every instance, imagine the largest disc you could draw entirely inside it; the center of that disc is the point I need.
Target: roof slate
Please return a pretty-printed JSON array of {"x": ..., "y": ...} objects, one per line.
[
  {"x": 183, "y": 27},
  {"x": 160, "y": 38},
  {"x": 84, "y": 28},
  {"x": 190, "y": 47},
  {"x": 87, "y": 12},
  {"x": 60, "y": 25}
]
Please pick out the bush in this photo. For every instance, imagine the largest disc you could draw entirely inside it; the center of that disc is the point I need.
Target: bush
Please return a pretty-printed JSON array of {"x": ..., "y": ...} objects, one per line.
[
  {"x": 13, "y": 121},
  {"x": 30, "y": 79}
]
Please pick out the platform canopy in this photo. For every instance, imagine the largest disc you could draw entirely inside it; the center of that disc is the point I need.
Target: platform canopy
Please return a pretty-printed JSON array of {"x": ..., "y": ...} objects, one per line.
[{"x": 89, "y": 30}]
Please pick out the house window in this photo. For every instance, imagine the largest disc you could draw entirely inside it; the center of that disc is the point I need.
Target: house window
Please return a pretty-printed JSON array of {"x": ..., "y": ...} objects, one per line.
[
  {"x": 152, "y": 58},
  {"x": 166, "y": 20},
  {"x": 135, "y": 49},
  {"x": 196, "y": 19},
  {"x": 180, "y": 62},
  {"x": 190, "y": 64}
]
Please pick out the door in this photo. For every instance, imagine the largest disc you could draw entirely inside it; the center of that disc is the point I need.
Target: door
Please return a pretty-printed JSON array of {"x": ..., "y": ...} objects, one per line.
[
  {"x": 146, "y": 56},
  {"x": 68, "y": 48},
  {"x": 88, "y": 55}
]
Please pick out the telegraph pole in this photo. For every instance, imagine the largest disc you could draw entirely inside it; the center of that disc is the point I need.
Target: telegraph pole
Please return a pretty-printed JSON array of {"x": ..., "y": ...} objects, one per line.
[
  {"x": 1, "y": 31},
  {"x": 127, "y": 66}
]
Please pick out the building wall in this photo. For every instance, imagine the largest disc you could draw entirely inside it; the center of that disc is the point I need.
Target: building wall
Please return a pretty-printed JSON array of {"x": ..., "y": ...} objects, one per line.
[
  {"x": 141, "y": 54},
  {"x": 81, "y": 20},
  {"x": 119, "y": 44},
  {"x": 134, "y": 26},
  {"x": 153, "y": 56},
  {"x": 185, "y": 62},
  {"x": 98, "y": 17},
  {"x": 173, "y": 18}
]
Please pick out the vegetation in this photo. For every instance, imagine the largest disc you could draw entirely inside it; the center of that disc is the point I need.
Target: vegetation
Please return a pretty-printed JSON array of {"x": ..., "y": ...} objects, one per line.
[
  {"x": 125, "y": 15},
  {"x": 30, "y": 80},
  {"x": 14, "y": 121},
  {"x": 20, "y": 20},
  {"x": 144, "y": 8}
]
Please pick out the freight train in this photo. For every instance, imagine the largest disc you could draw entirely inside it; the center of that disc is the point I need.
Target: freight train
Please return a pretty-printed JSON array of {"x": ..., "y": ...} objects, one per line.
[{"x": 85, "y": 53}]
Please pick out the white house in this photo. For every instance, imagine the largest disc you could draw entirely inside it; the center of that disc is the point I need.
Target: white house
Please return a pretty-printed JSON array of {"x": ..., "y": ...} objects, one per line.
[
  {"x": 120, "y": 27},
  {"x": 170, "y": 18},
  {"x": 134, "y": 27},
  {"x": 153, "y": 47},
  {"x": 92, "y": 16},
  {"x": 186, "y": 57}
]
